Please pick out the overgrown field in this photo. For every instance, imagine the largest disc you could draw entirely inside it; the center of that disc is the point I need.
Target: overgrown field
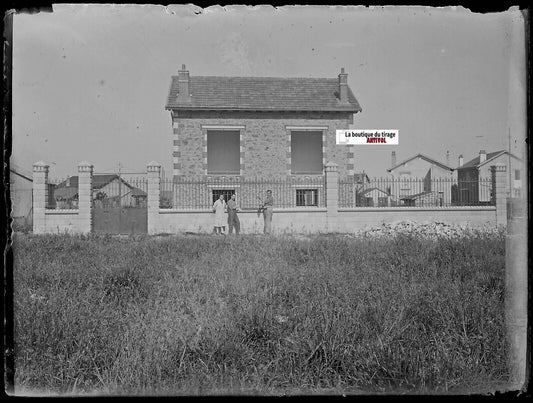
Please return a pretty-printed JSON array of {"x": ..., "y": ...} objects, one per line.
[{"x": 259, "y": 315}]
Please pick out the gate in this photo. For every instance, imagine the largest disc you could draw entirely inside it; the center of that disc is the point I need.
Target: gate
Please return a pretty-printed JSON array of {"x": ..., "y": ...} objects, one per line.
[{"x": 119, "y": 205}]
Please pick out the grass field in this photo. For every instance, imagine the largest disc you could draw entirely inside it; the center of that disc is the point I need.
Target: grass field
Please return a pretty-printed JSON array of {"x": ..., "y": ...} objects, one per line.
[{"x": 259, "y": 315}]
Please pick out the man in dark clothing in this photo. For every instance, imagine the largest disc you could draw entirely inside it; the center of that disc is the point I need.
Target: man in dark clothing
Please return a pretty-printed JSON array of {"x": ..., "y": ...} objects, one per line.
[
  {"x": 233, "y": 218},
  {"x": 268, "y": 206}
]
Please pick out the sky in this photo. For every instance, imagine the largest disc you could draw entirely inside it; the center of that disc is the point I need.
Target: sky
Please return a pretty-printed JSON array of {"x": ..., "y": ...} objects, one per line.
[{"x": 90, "y": 82}]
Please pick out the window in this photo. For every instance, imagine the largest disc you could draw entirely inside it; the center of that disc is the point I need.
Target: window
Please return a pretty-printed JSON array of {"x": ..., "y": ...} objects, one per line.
[
  {"x": 223, "y": 151},
  {"x": 307, "y": 197},
  {"x": 306, "y": 152},
  {"x": 517, "y": 174},
  {"x": 226, "y": 192}
]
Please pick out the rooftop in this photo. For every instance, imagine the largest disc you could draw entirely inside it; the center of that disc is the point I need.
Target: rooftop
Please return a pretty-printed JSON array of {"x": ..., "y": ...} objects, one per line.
[{"x": 262, "y": 93}]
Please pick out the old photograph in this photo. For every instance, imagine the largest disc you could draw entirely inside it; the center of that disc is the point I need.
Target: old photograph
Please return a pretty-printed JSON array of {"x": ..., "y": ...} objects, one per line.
[{"x": 259, "y": 200}]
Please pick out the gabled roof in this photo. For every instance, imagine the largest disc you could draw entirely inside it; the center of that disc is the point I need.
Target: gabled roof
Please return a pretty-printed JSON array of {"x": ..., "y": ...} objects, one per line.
[
  {"x": 474, "y": 163},
  {"x": 23, "y": 175},
  {"x": 424, "y": 157},
  {"x": 361, "y": 177},
  {"x": 262, "y": 93},
  {"x": 416, "y": 195},
  {"x": 136, "y": 192},
  {"x": 368, "y": 190},
  {"x": 99, "y": 181}
]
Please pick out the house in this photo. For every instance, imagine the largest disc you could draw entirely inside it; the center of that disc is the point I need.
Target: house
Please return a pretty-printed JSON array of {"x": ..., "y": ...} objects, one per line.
[
  {"x": 20, "y": 188},
  {"x": 260, "y": 127},
  {"x": 361, "y": 179},
  {"x": 108, "y": 189},
  {"x": 474, "y": 176},
  {"x": 419, "y": 175},
  {"x": 374, "y": 197}
]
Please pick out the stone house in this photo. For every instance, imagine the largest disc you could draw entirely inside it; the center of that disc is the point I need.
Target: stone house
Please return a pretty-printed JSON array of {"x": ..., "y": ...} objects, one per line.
[
  {"x": 474, "y": 176},
  {"x": 260, "y": 127}
]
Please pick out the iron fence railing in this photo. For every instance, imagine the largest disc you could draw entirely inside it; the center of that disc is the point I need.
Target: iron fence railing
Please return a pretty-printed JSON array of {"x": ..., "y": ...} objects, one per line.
[
  {"x": 62, "y": 194},
  {"x": 200, "y": 192},
  {"x": 414, "y": 192},
  {"x": 108, "y": 190}
]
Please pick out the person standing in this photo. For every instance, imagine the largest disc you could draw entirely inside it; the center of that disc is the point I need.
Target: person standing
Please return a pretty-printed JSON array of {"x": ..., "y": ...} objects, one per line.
[
  {"x": 233, "y": 218},
  {"x": 268, "y": 207},
  {"x": 219, "y": 208}
]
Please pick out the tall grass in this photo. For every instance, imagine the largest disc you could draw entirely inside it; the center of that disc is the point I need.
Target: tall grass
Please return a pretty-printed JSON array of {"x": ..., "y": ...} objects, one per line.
[{"x": 258, "y": 315}]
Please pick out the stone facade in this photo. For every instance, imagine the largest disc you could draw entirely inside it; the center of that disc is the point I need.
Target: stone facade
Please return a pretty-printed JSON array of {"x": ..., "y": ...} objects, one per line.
[{"x": 265, "y": 139}]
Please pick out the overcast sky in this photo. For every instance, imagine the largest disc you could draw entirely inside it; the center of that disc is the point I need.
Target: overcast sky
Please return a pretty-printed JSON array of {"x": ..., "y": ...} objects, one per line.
[{"x": 90, "y": 82}]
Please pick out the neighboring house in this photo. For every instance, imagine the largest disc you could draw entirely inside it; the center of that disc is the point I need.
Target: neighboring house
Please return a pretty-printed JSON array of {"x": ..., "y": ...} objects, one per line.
[
  {"x": 361, "y": 180},
  {"x": 473, "y": 177},
  {"x": 106, "y": 187},
  {"x": 421, "y": 175},
  {"x": 20, "y": 188},
  {"x": 260, "y": 127},
  {"x": 374, "y": 197}
]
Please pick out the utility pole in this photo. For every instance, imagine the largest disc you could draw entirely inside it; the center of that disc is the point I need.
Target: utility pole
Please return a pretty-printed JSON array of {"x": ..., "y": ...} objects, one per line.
[
  {"x": 119, "y": 197},
  {"x": 509, "y": 192},
  {"x": 516, "y": 294}
]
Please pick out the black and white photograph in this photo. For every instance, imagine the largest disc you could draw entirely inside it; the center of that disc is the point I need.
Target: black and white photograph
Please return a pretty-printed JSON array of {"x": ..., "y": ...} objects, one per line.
[{"x": 266, "y": 200}]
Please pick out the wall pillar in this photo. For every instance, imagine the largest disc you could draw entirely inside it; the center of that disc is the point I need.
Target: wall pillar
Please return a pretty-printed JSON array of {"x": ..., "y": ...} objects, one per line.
[
  {"x": 40, "y": 195},
  {"x": 332, "y": 196},
  {"x": 85, "y": 199},
  {"x": 499, "y": 192},
  {"x": 154, "y": 191}
]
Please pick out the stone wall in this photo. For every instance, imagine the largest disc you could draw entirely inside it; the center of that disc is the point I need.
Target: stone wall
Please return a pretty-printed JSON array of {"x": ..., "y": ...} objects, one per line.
[{"x": 265, "y": 141}]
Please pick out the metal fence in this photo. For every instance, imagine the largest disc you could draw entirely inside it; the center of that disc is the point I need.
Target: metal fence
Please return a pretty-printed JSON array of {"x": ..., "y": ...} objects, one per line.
[
  {"x": 200, "y": 192},
  {"x": 117, "y": 191},
  {"x": 414, "y": 192},
  {"x": 62, "y": 194},
  {"x": 108, "y": 190}
]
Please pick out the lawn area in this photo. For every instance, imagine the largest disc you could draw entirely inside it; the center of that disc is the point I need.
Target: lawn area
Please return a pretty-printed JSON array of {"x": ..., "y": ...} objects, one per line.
[{"x": 259, "y": 315}]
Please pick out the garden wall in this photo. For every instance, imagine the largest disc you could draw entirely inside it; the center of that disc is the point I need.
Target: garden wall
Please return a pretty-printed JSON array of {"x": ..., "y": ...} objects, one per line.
[{"x": 329, "y": 219}]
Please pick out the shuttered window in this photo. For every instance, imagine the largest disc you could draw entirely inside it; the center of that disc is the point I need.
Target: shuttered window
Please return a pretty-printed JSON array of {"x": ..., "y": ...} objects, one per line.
[
  {"x": 306, "y": 152},
  {"x": 223, "y": 151}
]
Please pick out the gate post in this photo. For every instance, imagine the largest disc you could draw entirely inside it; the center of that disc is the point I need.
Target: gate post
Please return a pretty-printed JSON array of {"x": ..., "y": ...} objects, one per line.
[
  {"x": 40, "y": 190},
  {"x": 152, "y": 203},
  {"x": 499, "y": 192},
  {"x": 516, "y": 295},
  {"x": 85, "y": 202},
  {"x": 332, "y": 196}
]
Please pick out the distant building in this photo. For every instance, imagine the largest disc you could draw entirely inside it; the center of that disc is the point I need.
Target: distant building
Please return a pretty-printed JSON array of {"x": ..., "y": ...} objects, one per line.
[
  {"x": 374, "y": 197},
  {"x": 474, "y": 176},
  {"x": 20, "y": 188},
  {"x": 421, "y": 178},
  {"x": 109, "y": 187}
]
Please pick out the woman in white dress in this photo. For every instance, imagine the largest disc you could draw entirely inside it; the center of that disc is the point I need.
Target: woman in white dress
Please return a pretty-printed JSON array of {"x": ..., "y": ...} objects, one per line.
[{"x": 219, "y": 208}]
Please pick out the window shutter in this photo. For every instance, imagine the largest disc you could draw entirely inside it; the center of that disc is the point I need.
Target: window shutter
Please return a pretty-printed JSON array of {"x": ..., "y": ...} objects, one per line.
[
  {"x": 223, "y": 151},
  {"x": 306, "y": 152}
]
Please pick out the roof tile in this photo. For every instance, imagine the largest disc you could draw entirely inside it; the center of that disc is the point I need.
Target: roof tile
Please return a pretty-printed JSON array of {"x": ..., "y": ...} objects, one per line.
[{"x": 262, "y": 93}]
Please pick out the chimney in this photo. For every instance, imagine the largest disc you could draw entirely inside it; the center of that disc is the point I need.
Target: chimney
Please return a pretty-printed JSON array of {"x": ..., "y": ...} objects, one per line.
[
  {"x": 482, "y": 156},
  {"x": 68, "y": 181},
  {"x": 393, "y": 159},
  {"x": 343, "y": 86},
  {"x": 461, "y": 160},
  {"x": 448, "y": 157},
  {"x": 183, "y": 85}
]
